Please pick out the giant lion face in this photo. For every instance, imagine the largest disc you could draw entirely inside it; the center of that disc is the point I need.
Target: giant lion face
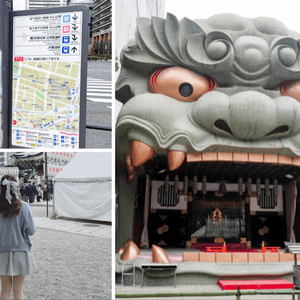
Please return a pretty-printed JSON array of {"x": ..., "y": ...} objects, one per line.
[{"x": 225, "y": 84}]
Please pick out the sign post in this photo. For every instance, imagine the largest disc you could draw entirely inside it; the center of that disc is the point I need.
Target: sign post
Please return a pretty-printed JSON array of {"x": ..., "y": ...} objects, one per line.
[
  {"x": 5, "y": 8},
  {"x": 49, "y": 71}
]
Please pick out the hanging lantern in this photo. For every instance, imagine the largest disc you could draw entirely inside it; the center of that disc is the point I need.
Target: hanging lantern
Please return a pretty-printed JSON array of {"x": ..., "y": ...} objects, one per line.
[
  {"x": 275, "y": 185},
  {"x": 176, "y": 184},
  {"x": 222, "y": 188},
  {"x": 240, "y": 186},
  {"x": 204, "y": 185},
  {"x": 267, "y": 187},
  {"x": 167, "y": 184},
  {"x": 258, "y": 188},
  {"x": 195, "y": 182},
  {"x": 249, "y": 186},
  {"x": 185, "y": 184}
]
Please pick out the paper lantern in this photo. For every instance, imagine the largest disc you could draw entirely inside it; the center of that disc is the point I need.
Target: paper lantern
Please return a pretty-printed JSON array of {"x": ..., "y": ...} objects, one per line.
[
  {"x": 176, "y": 184},
  {"x": 258, "y": 187},
  {"x": 195, "y": 182},
  {"x": 267, "y": 187},
  {"x": 240, "y": 186},
  {"x": 275, "y": 185},
  {"x": 185, "y": 184},
  {"x": 204, "y": 185},
  {"x": 249, "y": 186}
]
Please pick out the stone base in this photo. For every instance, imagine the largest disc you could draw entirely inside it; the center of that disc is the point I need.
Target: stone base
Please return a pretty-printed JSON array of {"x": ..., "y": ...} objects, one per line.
[{"x": 201, "y": 273}]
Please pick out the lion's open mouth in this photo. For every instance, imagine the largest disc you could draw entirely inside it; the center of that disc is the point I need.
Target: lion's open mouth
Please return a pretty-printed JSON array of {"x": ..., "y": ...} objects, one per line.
[{"x": 214, "y": 165}]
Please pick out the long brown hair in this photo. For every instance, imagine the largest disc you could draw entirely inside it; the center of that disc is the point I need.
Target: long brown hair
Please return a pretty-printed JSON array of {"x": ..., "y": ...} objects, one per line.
[{"x": 9, "y": 210}]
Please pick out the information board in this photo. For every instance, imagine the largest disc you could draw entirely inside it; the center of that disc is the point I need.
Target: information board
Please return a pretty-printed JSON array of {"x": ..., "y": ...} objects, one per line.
[{"x": 47, "y": 77}]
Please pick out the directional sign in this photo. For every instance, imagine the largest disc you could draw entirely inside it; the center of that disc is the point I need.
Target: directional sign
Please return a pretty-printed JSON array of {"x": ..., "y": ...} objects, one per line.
[
  {"x": 74, "y": 17},
  {"x": 74, "y": 37},
  {"x": 48, "y": 100}
]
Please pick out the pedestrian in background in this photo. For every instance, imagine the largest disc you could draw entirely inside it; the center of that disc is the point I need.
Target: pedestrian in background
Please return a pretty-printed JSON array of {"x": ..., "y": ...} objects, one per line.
[
  {"x": 23, "y": 193},
  {"x": 45, "y": 192},
  {"x": 34, "y": 191},
  {"x": 27, "y": 192},
  {"x": 39, "y": 192},
  {"x": 16, "y": 225},
  {"x": 31, "y": 193}
]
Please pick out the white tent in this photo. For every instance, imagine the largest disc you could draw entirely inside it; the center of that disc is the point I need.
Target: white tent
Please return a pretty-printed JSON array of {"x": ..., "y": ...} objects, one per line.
[{"x": 83, "y": 188}]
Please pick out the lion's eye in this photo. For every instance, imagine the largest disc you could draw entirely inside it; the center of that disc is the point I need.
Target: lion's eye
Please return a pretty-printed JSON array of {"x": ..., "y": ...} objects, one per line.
[
  {"x": 290, "y": 88},
  {"x": 180, "y": 83}
]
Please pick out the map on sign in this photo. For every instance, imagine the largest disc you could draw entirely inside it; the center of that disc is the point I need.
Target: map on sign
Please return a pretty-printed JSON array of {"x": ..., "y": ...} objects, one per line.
[{"x": 46, "y": 80}]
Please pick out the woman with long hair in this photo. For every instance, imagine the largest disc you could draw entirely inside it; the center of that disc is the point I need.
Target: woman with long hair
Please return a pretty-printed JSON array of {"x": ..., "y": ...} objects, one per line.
[{"x": 16, "y": 225}]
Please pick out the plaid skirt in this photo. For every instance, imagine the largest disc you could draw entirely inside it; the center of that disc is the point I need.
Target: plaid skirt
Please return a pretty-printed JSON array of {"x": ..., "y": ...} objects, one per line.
[{"x": 14, "y": 263}]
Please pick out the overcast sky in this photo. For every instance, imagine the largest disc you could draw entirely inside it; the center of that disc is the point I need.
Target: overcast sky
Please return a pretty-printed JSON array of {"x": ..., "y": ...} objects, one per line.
[{"x": 287, "y": 11}]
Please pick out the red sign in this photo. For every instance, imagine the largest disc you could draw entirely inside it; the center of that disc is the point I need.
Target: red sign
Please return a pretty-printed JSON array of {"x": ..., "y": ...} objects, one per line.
[
  {"x": 14, "y": 122},
  {"x": 18, "y": 58}
]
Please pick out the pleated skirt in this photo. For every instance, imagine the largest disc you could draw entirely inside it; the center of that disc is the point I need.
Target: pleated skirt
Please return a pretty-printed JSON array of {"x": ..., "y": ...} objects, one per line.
[{"x": 14, "y": 263}]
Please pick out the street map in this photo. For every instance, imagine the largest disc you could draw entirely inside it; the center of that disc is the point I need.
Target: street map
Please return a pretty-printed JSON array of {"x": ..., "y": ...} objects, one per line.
[{"x": 46, "y": 82}]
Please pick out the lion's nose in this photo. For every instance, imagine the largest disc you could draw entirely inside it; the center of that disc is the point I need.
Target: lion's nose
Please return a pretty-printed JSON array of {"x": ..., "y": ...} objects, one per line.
[{"x": 247, "y": 115}]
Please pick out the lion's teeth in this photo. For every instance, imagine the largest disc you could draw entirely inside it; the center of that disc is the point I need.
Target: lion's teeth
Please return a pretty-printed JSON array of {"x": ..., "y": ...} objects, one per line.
[
  {"x": 131, "y": 172},
  {"x": 130, "y": 168},
  {"x": 140, "y": 153},
  {"x": 175, "y": 159}
]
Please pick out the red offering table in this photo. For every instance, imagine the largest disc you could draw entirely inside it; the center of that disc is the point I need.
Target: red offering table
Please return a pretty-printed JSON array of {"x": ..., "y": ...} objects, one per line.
[{"x": 255, "y": 284}]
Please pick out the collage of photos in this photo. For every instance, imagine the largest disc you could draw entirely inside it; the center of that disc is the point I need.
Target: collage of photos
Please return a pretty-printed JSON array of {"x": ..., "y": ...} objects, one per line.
[
  {"x": 150, "y": 150},
  {"x": 56, "y": 168}
]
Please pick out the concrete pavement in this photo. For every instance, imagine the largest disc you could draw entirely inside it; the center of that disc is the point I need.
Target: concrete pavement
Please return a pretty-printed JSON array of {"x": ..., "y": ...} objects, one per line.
[
  {"x": 70, "y": 225},
  {"x": 79, "y": 227}
]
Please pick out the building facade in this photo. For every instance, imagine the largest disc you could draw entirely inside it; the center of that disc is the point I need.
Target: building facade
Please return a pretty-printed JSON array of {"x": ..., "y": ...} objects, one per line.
[
  {"x": 6, "y": 158},
  {"x": 102, "y": 28}
]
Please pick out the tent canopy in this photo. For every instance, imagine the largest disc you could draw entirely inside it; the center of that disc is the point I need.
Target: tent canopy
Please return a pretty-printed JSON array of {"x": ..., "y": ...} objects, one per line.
[
  {"x": 83, "y": 188},
  {"x": 87, "y": 166}
]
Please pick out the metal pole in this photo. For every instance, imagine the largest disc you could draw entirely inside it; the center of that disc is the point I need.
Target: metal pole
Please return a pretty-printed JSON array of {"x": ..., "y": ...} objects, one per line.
[
  {"x": 238, "y": 294},
  {"x": 6, "y": 72},
  {"x": 46, "y": 176},
  {"x": 53, "y": 194}
]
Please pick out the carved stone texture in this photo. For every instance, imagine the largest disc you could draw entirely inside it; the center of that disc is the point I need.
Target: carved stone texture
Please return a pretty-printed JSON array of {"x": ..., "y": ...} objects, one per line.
[{"x": 225, "y": 84}]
